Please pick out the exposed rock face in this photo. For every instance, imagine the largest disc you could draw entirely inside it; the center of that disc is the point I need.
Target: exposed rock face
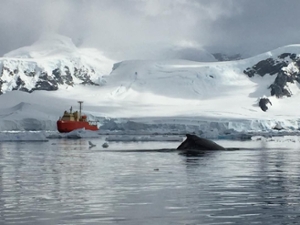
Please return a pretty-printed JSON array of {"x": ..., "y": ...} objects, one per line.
[
  {"x": 51, "y": 62},
  {"x": 286, "y": 69},
  {"x": 193, "y": 142},
  {"x": 278, "y": 88},
  {"x": 28, "y": 76},
  {"x": 263, "y": 102}
]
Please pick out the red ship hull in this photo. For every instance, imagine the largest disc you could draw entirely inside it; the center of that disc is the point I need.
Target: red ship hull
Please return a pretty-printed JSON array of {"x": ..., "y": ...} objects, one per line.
[{"x": 68, "y": 126}]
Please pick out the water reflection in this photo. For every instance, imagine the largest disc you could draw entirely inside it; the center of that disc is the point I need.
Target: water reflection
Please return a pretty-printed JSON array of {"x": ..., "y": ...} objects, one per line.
[
  {"x": 257, "y": 186},
  {"x": 65, "y": 182},
  {"x": 278, "y": 184},
  {"x": 37, "y": 178}
]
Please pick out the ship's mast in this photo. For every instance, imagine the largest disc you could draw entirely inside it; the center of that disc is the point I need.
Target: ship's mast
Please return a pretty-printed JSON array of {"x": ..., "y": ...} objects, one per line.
[{"x": 80, "y": 107}]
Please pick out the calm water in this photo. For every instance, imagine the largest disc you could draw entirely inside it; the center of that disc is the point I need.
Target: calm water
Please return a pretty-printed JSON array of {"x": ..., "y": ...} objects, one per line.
[{"x": 65, "y": 182}]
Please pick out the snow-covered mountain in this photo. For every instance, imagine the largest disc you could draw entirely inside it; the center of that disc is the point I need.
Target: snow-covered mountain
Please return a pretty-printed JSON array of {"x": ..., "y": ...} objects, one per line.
[
  {"x": 50, "y": 63},
  {"x": 276, "y": 74},
  {"x": 171, "y": 96},
  {"x": 284, "y": 66}
]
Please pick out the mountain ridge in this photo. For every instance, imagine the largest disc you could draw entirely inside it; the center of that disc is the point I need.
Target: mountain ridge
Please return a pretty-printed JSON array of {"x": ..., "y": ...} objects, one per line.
[
  {"x": 55, "y": 62},
  {"x": 50, "y": 63},
  {"x": 172, "y": 96}
]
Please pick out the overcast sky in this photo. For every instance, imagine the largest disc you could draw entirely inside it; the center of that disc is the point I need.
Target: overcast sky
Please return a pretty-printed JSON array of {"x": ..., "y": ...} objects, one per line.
[{"x": 137, "y": 28}]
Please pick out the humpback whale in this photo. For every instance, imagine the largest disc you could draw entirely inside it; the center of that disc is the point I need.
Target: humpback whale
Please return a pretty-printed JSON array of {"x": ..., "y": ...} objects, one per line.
[{"x": 193, "y": 142}]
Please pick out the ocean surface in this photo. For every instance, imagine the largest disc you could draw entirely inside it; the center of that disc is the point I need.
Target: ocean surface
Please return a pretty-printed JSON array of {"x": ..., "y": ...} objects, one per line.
[{"x": 63, "y": 181}]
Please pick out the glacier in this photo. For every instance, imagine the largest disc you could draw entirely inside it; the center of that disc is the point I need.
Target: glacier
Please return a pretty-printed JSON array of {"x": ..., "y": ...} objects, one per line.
[{"x": 148, "y": 97}]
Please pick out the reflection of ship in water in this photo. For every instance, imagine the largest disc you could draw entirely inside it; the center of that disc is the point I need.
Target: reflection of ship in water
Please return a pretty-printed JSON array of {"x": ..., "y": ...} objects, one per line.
[
  {"x": 75, "y": 120},
  {"x": 70, "y": 144}
]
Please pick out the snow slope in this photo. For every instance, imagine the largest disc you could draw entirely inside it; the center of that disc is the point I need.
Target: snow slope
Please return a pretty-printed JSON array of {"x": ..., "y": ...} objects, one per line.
[
  {"x": 166, "y": 96},
  {"x": 51, "y": 62}
]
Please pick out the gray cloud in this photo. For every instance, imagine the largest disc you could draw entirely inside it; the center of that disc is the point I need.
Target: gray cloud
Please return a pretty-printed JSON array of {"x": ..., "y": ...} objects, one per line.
[{"x": 126, "y": 29}]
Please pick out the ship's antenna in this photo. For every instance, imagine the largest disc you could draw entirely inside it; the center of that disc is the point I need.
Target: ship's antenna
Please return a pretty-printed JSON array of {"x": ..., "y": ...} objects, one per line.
[{"x": 80, "y": 107}]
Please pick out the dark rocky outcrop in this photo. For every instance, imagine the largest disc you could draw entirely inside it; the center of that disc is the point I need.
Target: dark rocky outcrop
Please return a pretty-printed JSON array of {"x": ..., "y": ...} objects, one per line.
[
  {"x": 41, "y": 79},
  {"x": 284, "y": 67},
  {"x": 278, "y": 88},
  {"x": 193, "y": 142},
  {"x": 263, "y": 102},
  {"x": 271, "y": 66},
  {"x": 267, "y": 66}
]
